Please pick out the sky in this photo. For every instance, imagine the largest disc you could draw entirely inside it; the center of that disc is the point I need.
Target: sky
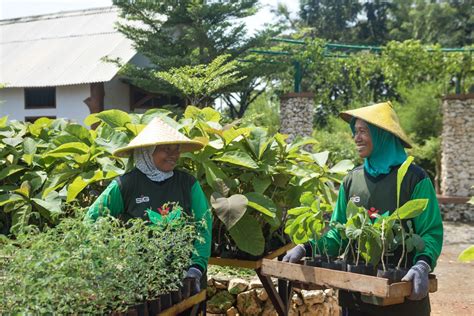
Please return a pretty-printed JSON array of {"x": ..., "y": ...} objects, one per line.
[{"x": 17, "y": 8}]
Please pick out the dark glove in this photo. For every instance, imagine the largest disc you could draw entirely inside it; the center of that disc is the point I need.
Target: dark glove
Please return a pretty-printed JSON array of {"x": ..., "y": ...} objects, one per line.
[
  {"x": 196, "y": 274},
  {"x": 418, "y": 275},
  {"x": 295, "y": 254}
]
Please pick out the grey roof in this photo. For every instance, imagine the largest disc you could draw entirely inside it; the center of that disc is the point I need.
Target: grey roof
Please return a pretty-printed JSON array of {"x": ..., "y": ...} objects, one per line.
[{"x": 62, "y": 48}]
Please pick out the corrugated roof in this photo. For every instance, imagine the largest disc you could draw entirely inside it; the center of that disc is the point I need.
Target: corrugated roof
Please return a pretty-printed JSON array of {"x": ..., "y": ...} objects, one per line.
[{"x": 63, "y": 48}]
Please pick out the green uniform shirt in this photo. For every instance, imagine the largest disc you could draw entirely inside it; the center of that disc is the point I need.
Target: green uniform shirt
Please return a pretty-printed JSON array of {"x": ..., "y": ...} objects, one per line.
[
  {"x": 133, "y": 194},
  {"x": 378, "y": 195}
]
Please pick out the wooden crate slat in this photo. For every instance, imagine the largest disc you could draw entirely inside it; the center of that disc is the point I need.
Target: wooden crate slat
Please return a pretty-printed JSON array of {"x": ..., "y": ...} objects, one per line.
[
  {"x": 403, "y": 289},
  {"x": 185, "y": 304},
  {"x": 326, "y": 277},
  {"x": 249, "y": 264},
  {"x": 234, "y": 263},
  {"x": 368, "y": 285},
  {"x": 279, "y": 251}
]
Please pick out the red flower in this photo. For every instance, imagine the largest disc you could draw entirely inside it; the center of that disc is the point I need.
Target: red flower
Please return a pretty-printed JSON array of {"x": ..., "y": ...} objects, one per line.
[
  {"x": 373, "y": 212},
  {"x": 164, "y": 211}
]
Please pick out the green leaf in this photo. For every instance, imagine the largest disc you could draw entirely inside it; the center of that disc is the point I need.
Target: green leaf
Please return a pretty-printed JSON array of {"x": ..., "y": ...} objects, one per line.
[
  {"x": 114, "y": 118},
  {"x": 351, "y": 209},
  {"x": 9, "y": 170},
  {"x": 295, "y": 146},
  {"x": 91, "y": 119},
  {"x": 80, "y": 132},
  {"x": 248, "y": 235},
  {"x": 238, "y": 158},
  {"x": 50, "y": 206},
  {"x": 307, "y": 198},
  {"x": 296, "y": 211},
  {"x": 135, "y": 128},
  {"x": 260, "y": 185},
  {"x": 13, "y": 141},
  {"x": 342, "y": 166},
  {"x": 213, "y": 175},
  {"x": 410, "y": 209},
  {"x": 401, "y": 174},
  {"x": 261, "y": 203},
  {"x": 81, "y": 182},
  {"x": 24, "y": 189},
  {"x": 467, "y": 255},
  {"x": 258, "y": 141},
  {"x": 40, "y": 124},
  {"x": 29, "y": 146},
  {"x": 21, "y": 218},
  {"x": 10, "y": 198},
  {"x": 68, "y": 148},
  {"x": 229, "y": 210},
  {"x": 232, "y": 133},
  {"x": 3, "y": 121},
  {"x": 321, "y": 158}
]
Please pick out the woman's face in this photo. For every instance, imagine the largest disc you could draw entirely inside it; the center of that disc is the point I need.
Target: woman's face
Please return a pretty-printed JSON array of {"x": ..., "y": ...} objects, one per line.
[
  {"x": 362, "y": 139},
  {"x": 165, "y": 157}
]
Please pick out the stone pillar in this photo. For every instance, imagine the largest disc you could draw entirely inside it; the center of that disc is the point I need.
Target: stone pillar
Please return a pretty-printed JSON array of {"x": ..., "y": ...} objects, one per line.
[
  {"x": 296, "y": 114},
  {"x": 457, "y": 156}
]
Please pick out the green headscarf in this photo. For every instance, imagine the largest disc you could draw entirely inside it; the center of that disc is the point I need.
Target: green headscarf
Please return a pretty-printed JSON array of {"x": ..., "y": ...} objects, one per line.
[{"x": 387, "y": 151}]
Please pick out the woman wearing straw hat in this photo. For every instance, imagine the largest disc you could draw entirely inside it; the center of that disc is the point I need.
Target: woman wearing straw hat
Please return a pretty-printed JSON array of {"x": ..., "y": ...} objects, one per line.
[
  {"x": 380, "y": 141},
  {"x": 153, "y": 189}
]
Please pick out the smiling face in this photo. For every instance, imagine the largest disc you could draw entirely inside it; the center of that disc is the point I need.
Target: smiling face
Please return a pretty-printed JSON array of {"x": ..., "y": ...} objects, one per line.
[
  {"x": 362, "y": 139},
  {"x": 165, "y": 157}
]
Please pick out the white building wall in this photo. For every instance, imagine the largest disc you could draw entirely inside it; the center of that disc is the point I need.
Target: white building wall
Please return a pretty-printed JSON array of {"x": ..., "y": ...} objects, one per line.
[
  {"x": 12, "y": 103},
  {"x": 70, "y": 102},
  {"x": 117, "y": 95}
]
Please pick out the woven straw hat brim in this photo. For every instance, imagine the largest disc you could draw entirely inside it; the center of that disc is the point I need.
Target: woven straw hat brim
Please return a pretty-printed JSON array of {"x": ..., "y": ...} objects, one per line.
[
  {"x": 381, "y": 115},
  {"x": 189, "y": 146},
  {"x": 157, "y": 133}
]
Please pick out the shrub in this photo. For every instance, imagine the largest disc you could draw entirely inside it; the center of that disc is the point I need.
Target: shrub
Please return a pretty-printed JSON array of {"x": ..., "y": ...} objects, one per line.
[{"x": 94, "y": 268}]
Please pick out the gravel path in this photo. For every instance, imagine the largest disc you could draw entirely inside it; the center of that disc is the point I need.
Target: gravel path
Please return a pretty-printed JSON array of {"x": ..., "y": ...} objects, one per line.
[{"x": 455, "y": 295}]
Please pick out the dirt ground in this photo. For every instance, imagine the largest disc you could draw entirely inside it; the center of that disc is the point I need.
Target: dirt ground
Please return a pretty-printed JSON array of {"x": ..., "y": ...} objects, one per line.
[{"x": 455, "y": 295}]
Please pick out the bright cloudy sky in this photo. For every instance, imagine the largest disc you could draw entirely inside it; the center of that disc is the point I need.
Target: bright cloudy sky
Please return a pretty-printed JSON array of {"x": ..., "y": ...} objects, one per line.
[{"x": 18, "y": 8}]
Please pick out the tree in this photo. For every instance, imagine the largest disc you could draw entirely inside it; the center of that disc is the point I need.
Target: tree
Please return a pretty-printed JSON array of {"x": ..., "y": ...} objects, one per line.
[
  {"x": 373, "y": 29},
  {"x": 198, "y": 84},
  {"x": 448, "y": 23},
  {"x": 330, "y": 19},
  {"x": 173, "y": 34}
]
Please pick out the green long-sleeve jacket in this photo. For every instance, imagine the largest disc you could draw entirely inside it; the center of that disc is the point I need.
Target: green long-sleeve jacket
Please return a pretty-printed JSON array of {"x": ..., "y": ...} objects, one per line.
[
  {"x": 379, "y": 195},
  {"x": 133, "y": 195}
]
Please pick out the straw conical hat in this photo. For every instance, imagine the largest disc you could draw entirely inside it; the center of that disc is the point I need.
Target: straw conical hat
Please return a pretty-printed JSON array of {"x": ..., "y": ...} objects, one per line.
[
  {"x": 381, "y": 115},
  {"x": 156, "y": 133}
]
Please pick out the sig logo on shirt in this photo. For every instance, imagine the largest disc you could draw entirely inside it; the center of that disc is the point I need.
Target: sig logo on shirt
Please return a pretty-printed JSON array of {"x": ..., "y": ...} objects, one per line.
[
  {"x": 142, "y": 199},
  {"x": 355, "y": 199}
]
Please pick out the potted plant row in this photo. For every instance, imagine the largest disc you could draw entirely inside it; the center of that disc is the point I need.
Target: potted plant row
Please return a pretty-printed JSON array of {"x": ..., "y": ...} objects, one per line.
[
  {"x": 367, "y": 239},
  {"x": 97, "y": 268}
]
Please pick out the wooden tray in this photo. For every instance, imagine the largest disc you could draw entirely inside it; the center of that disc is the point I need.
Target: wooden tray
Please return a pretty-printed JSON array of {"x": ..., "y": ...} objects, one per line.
[
  {"x": 249, "y": 264},
  {"x": 375, "y": 290},
  {"x": 185, "y": 304}
]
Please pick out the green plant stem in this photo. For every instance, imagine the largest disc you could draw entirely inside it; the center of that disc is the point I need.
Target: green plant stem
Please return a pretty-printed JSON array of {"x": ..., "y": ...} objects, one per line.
[
  {"x": 403, "y": 245},
  {"x": 383, "y": 244},
  {"x": 358, "y": 249},
  {"x": 346, "y": 251}
]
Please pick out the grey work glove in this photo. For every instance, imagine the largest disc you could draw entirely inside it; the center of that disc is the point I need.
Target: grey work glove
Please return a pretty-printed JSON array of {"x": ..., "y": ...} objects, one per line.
[
  {"x": 196, "y": 274},
  {"x": 295, "y": 254},
  {"x": 418, "y": 275}
]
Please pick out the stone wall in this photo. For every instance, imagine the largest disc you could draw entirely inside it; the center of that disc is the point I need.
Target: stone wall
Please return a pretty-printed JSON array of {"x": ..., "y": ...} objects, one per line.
[
  {"x": 296, "y": 114},
  {"x": 457, "y": 155},
  {"x": 236, "y": 296}
]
